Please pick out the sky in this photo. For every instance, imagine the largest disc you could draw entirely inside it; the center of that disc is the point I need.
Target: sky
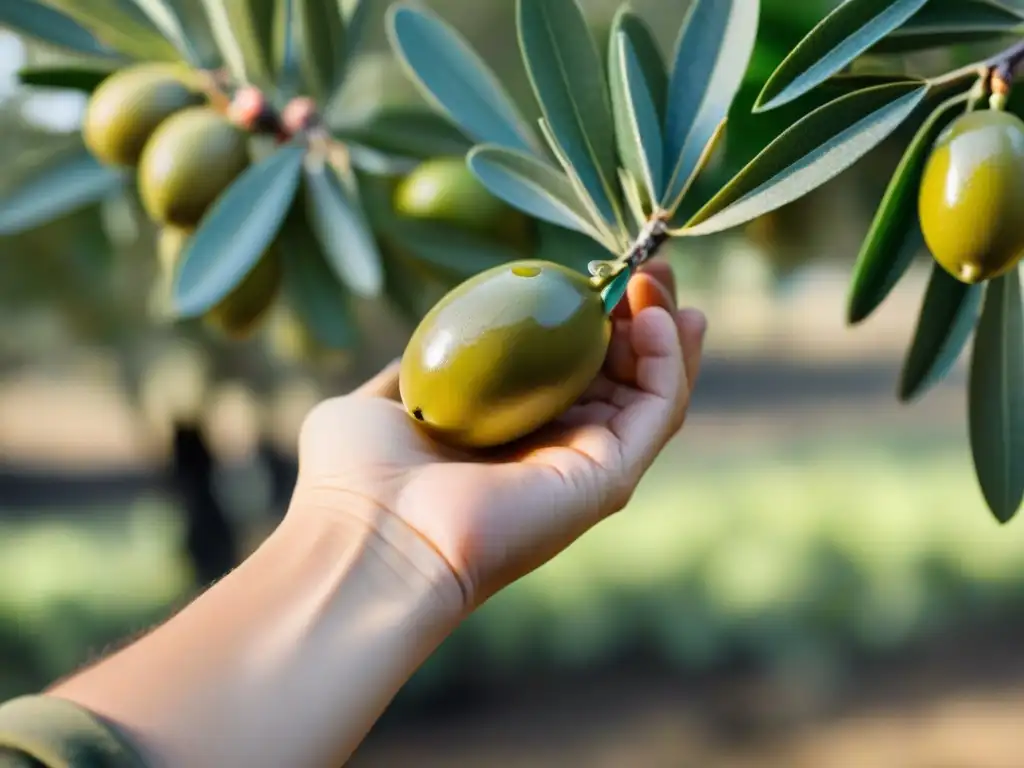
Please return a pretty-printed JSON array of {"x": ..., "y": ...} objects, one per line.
[{"x": 58, "y": 111}]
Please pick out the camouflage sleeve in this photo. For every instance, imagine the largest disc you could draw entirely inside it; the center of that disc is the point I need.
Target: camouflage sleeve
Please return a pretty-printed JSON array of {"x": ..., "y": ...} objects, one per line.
[{"x": 47, "y": 732}]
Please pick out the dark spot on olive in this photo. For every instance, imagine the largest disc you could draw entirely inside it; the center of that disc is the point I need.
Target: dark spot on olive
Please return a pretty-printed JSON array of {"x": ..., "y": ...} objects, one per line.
[{"x": 418, "y": 414}]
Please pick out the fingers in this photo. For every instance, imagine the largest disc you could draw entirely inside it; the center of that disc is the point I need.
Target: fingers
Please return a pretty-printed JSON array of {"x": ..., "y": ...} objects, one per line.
[
  {"x": 646, "y": 289},
  {"x": 656, "y": 414},
  {"x": 384, "y": 384}
]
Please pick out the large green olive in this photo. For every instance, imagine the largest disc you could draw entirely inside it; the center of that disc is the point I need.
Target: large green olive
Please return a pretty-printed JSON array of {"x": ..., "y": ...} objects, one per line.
[
  {"x": 239, "y": 313},
  {"x": 972, "y": 196},
  {"x": 190, "y": 159},
  {"x": 504, "y": 353},
  {"x": 127, "y": 107},
  {"x": 445, "y": 191}
]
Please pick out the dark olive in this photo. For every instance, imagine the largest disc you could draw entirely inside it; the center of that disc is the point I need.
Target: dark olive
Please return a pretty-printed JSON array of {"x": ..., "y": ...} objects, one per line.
[
  {"x": 972, "y": 196},
  {"x": 504, "y": 353}
]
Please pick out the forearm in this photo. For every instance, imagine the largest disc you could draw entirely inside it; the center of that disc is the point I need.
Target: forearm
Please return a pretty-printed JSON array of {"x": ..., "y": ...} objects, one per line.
[{"x": 292, "y": 657}]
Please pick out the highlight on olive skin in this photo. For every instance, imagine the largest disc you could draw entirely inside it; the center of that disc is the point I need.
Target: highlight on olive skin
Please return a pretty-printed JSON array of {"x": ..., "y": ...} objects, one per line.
[
  {"x": 972, "y": 196},
  {"x": 504, "y": 353}
]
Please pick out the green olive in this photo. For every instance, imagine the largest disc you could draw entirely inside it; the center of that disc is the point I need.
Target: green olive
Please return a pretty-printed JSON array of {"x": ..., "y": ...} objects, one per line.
[
  {"x": 127, "y": 107},
  {"x": 239, "y": 313},
  {"x": 190, "y": 159},
  {"x": 972, "y": 196},
  {"x": 445, "y": 191},
  {"x": 504, "y": 353}
]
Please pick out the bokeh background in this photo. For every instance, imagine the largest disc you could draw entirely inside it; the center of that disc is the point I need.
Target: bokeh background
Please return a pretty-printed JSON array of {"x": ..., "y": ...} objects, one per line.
[{"x": 808, "y": 578}]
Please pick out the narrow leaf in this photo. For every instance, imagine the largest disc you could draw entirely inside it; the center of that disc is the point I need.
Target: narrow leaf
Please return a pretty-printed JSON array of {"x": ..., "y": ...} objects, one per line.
[
  {"x": 164, "y": 17},
  {"x": 236, "y": 231},
  {"x": 241, "y": 29},
  {"x": 73, "y": 180},
  {"x": 850, "y": 30},
  {"x": 356, "y": 17},
  {"x": 885, "y": 255},
  {"x": 813, "y": 151},
  {"x": 320, "y": 33},
  {"x": 616, "y": 290},
  {"x": 996, "y": 412},
  {"x": 652, "y": 63},
  {"x": 453, "y": 77},
  {"x": 85, "y": 79},
  {"x": 48, "y": 25},
  {"x": 530, "y": 185},
  {"x": 568, "y": 78},
  {"x": 948, "y": 315},
  {"x": 196, "y": 25},
  {"x": 951, "y": 22},
  {"x": 312, "y": 288},
  {"x": 711, "y": 59},
  {"x": 283, "y": 49},
  {"x": 120, "y": 25},
  {"x": 342, "y": 229},
  {"x": 637, "y": 132},
  {"x": 407, "y": 131}
]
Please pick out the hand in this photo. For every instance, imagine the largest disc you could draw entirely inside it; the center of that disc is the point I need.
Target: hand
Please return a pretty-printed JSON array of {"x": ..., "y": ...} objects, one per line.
[{"x": 497, "y": 518}]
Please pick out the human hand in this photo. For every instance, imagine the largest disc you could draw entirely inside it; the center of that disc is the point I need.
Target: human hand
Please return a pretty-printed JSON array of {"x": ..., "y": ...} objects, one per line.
[{"x": 495, "y": 517}]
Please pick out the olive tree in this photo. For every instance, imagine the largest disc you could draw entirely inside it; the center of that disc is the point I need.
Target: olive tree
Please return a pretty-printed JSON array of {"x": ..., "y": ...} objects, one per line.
[{"x": 634, "y": 151}]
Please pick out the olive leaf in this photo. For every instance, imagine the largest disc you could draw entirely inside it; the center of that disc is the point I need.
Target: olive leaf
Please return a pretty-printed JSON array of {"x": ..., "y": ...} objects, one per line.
[
  {"x": 355, "y": 15},
  {"x": 813, "y": 151},
  {"x": 948, "y": 315},
  {"x": 72, "y": 180},
  {"x": 282, "y": 49},
  {"x": 996, "y": 387},
  {"x": 242, "y": 31},
  {"x": 165, "y": 18},
  {"x": 894, "y": 238},
  {"x": 408, "y": 131},
  {"x": 711, "y": 58},
  {"x": 652, "y": 63},
  {"x": 951, "y": 22},
  {"x": 531, "y": 185},
  {"x": 637, "y": 126},
  {"x": 568, "y": 79},
  {"x": 320, "y": 34},
  {"x": 454, "y": 252},
  {"x": 85, "y": 79},
  {"x": 616, "y": 290},
  {"x": 312, "y": 289},
  {"x": 119, "y": 24},
  {"x": 340, "y": 224},
  {"x": 50, "y": 26},
  {"x": 196, "y": 25},
  {"x": 846, "y": 33},
  {"x": 455, "y": 79},
  {"x": 236, "y": 231}
]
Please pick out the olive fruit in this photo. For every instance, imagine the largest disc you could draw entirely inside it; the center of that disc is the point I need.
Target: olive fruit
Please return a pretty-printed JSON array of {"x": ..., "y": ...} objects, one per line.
[
  {"x": 504, "y": 353},
  {"x": 127, "y": 107},
  {"x": 445, "y": 191},
  {"x": 972, "y": 196},
  {"x": 238, "y": 313},
  {"x": 189, "y": 160}
]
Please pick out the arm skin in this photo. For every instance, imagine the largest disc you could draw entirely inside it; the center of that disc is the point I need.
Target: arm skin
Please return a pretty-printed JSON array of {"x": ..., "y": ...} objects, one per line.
[{"x": 291, "y": 658}]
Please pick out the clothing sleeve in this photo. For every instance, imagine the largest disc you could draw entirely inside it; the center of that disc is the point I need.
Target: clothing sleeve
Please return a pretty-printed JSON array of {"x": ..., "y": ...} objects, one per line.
[{"x": 47, "y": 732}]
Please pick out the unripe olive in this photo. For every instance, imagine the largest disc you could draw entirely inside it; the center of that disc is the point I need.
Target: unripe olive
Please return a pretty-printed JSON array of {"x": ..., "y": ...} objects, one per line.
[
  {"x": 444, "y": 190},
  {"x": 504, "y": 353},
  {"x": 187, "y": 163},
  {"x": 238, "y": 313},
  {"x": 127, "y": 107},
  {"x": 972, "y": 196}
]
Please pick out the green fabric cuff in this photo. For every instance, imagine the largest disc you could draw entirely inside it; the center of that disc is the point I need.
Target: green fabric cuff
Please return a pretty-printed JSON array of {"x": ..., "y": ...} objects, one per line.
[{"x": 60, "y": 734}]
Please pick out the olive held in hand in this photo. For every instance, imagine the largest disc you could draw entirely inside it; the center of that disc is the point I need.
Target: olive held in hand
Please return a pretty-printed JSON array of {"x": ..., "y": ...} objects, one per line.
[
  {"x": 190, "y": 159},
  {"x": 127, "y": 107},
  {"x": 445, "y": 191},
  {"x": 504, "y": 353},
  {"x": 971, "y": 203},
  {"x": 238, "y": 314}
]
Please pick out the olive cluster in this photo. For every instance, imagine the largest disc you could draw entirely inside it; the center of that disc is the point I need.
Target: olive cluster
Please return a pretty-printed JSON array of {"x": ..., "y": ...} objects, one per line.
[
  {"x": 187, "y": 143},
  {"x": 972, "y": 195}
]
